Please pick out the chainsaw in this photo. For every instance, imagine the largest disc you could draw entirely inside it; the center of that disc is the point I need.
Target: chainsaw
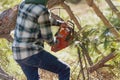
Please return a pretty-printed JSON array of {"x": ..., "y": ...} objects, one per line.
[{"x": 64, "y": 36}]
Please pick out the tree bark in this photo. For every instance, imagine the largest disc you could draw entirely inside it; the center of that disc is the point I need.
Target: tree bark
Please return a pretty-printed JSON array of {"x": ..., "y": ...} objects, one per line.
[
  {"x": 7, "y": 22},
  {"x": 52, "y": 3}
]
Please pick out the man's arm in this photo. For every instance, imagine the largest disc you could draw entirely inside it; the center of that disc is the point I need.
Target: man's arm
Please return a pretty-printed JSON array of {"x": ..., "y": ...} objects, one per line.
[{"x": 45, "y": 27}]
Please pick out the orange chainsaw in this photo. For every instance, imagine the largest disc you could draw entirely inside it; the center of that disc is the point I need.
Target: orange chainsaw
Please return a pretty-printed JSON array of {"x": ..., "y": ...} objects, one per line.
[{"x": 64, "y": 36}]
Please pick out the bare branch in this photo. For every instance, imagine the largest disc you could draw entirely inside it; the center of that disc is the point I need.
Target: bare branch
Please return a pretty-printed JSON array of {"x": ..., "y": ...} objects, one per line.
[
  {"x": 103, "y": 18},
  {"x": 114, "y": 9},
  {"x": 72, "y": 16},
  {"x": 102, "y": 62}
]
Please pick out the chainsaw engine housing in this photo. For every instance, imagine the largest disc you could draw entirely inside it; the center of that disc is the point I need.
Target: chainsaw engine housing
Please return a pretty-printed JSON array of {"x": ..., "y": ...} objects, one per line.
[{"x": 64, "y": 36}]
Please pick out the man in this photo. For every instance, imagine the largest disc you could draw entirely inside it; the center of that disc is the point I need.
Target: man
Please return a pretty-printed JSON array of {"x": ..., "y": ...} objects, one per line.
[{"x": 33, "y": 28}]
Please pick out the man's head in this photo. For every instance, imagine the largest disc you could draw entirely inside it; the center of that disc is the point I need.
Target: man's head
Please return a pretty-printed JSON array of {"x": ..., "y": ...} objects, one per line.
[{"x": 43, "y": 2}]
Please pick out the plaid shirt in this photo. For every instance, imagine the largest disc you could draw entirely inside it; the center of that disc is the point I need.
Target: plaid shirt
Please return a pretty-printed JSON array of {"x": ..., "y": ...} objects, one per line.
[{"x": 33, "y": 27}]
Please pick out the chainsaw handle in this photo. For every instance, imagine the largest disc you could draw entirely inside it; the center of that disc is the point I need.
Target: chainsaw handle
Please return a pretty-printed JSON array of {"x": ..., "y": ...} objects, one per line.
[
  {"x": 62, "y": 25},
  {"x": 70, "y": 23}
]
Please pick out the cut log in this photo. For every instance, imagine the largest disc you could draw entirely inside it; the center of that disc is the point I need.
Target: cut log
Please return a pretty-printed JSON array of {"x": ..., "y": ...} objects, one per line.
[{"x": 7, "y": 22}]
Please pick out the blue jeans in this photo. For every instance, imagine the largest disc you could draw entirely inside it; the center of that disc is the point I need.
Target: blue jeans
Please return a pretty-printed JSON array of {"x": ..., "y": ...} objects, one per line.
[{"x": 44, "y": 60}]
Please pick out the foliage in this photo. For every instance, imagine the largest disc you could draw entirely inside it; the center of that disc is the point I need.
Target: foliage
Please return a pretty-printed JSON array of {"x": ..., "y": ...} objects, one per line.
[
  {"x": 5, "y": 4},
  {"x": 6, "y": 58},
  {"x": 98, "y": 39}
]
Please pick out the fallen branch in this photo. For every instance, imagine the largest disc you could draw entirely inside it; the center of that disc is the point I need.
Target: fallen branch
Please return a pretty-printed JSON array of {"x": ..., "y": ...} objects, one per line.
[
  {"x": 81, "y": 64},
  {"x": 86, "y": 53},
  {"x": 102, "y": 62}
]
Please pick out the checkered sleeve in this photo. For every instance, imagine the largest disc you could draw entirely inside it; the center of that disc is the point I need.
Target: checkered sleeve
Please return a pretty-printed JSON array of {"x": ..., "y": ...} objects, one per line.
[{"x": 45, "y": 27}]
